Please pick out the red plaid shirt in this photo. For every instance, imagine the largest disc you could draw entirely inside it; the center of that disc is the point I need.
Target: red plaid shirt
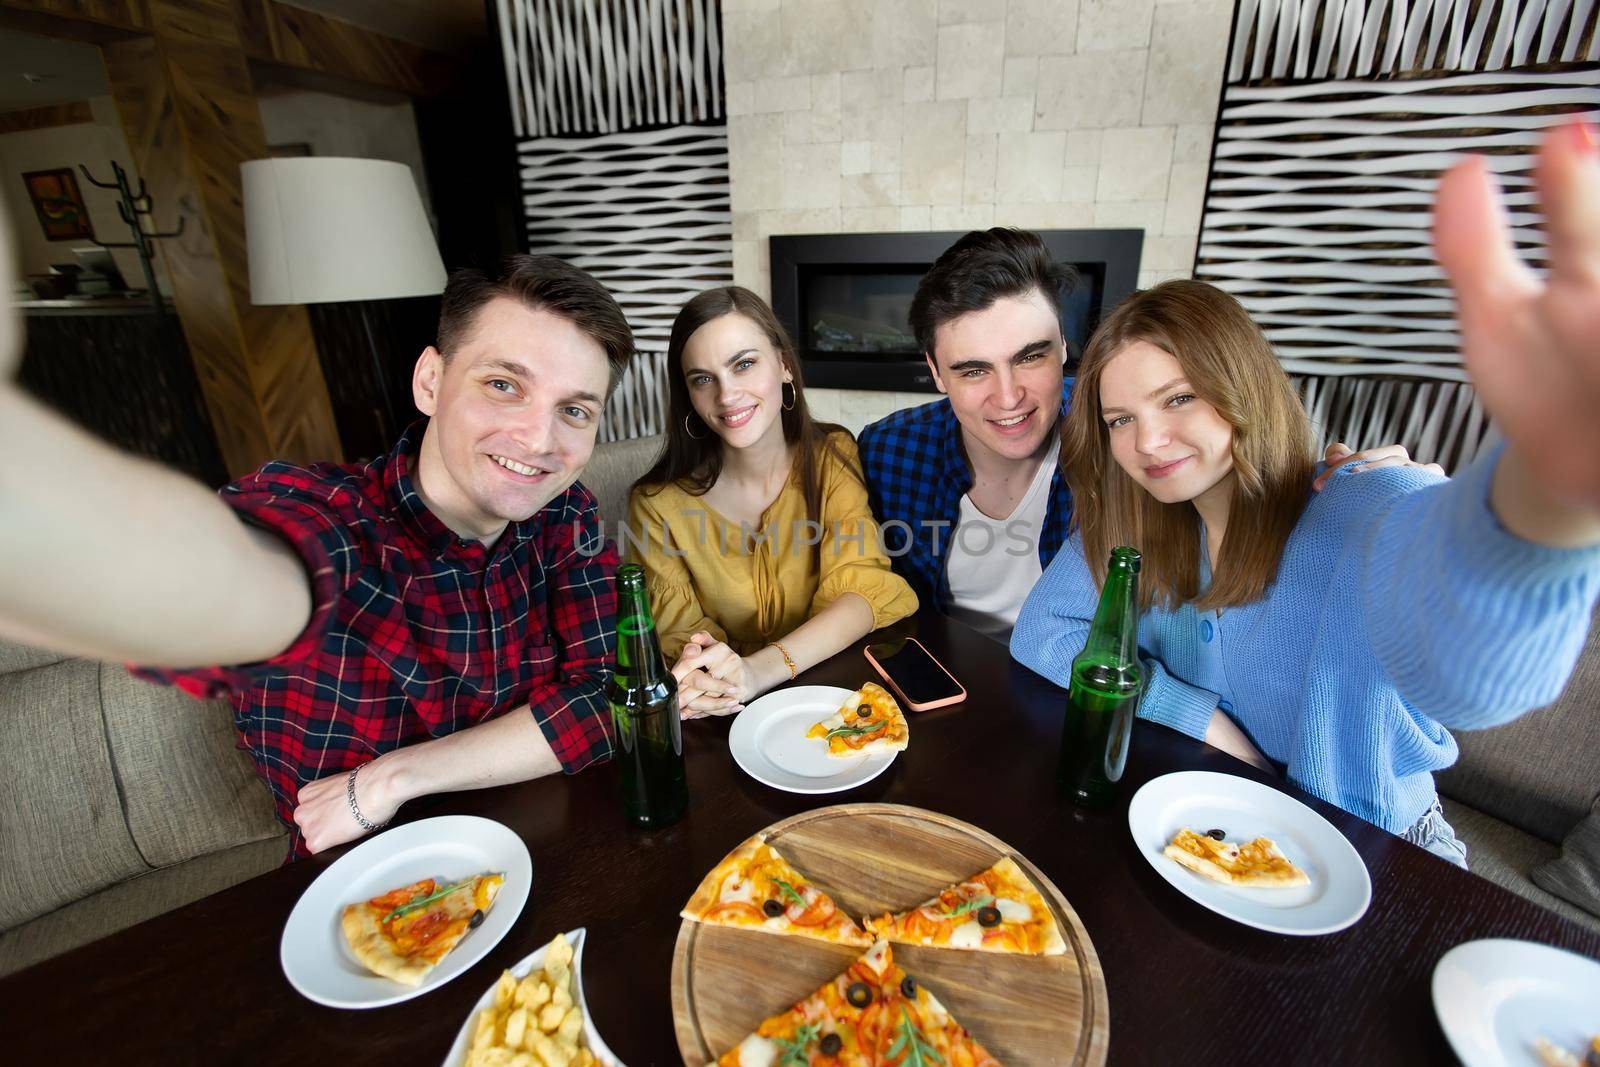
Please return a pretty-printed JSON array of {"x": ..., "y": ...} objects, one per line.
[{"x": 415, "y": 632}]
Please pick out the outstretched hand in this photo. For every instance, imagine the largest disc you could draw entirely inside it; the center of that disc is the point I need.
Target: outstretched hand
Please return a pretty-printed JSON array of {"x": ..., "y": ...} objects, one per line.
[{"x": 1532, "y": 346}]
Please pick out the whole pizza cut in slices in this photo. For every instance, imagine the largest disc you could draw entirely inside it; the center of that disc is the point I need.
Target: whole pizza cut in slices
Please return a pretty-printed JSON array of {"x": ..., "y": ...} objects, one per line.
[
  {"x": 997, "y": 910},
  {"x": 1259, "y": 863},
  {"x": 873, "y": 1014},
  {"x": 756, "y": 889},
  {"x": 403, "y": 934},
  {"x": 869, "y": 721}
]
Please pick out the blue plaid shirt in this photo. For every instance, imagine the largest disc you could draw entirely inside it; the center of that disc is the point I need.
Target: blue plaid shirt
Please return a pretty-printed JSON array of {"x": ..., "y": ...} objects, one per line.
[{"x": 916, "y": 475}]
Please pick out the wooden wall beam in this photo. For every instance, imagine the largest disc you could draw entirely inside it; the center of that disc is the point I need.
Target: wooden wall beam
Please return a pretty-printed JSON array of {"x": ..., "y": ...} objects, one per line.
[
  {"x": 42, "y": 118},
  {"x": 190, "y": 116}
]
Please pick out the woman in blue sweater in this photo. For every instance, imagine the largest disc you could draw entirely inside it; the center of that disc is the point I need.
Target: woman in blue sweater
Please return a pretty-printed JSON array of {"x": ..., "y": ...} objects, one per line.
[{"x": 1342, "y": 632}]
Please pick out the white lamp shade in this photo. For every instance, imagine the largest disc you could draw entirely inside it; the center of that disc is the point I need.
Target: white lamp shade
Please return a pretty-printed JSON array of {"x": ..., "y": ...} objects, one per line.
[{"x": 324, "y": 229}]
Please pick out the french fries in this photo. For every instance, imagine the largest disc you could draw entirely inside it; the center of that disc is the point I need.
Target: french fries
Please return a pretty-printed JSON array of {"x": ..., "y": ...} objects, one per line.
[{"x": 535, "y": 1022}]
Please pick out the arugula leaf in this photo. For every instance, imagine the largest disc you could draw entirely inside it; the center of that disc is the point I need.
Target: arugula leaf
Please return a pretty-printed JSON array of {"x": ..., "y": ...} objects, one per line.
[
  {"x": 408, "y": 908},
  {"x": 856, "y": 731},
  {"x": 921, "y": 1051},
  {"x": 968, "y": 906},
  {"x": 794, "y": 1049},
  {"x": 789, "y": 891}
]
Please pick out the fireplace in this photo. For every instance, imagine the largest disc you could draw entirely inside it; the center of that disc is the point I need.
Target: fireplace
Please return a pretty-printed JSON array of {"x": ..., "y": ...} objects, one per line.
[{"x": 846, "y": 298}]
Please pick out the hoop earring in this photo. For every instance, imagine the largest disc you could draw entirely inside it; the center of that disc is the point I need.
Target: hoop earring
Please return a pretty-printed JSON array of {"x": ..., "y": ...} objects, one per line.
[
  {"x": 690, "y": 431},
  {"x": 794, "y": 396}
]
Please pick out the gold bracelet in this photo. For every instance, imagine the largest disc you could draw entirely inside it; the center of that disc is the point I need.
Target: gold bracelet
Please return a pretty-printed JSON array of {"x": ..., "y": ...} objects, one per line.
[{"x": 787, "y": 661}]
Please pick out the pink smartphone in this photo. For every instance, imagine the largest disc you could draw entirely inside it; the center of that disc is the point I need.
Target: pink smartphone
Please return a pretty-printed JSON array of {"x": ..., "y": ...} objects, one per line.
[{"x": 919, "y": 680}]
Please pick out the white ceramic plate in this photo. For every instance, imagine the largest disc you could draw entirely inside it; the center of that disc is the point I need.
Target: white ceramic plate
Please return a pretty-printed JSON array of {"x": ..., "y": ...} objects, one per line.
[
  {"x": 317, "y": 960},
  {"x": 1494, "y": 997},
  {"x": 1340, "y": 888},
  {"x": 769, "y": 743},
  {"x": 521, "y": 969}
]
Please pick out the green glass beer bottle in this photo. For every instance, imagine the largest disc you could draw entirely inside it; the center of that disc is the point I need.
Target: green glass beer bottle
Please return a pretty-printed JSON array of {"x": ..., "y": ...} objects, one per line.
[
  {"x": 1104, "y": 692},
  {"x": 644, "y": 712}
]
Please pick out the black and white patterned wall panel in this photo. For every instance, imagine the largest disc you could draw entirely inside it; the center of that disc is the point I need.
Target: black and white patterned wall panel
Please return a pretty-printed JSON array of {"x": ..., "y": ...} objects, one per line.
[
  {"x": 623, "y": 154},
  {"x": 1337, "y": 119}
]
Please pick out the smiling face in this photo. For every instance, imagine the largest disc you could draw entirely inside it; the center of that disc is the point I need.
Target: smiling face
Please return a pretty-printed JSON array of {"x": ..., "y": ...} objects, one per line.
[
  {"x": 1002, "y": 370},
  {"x": 1161, "y": 433},
  {"x": 735, "y": 379},
  {"x": 514, "y": 412}
]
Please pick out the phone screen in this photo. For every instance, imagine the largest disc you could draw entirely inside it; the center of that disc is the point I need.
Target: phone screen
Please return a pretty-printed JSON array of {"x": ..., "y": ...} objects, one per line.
[{"x": 917, "y": 674}]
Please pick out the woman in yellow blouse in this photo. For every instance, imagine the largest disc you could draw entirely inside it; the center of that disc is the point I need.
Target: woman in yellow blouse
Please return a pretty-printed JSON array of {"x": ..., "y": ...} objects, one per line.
[{"x": 759, "y": 548}]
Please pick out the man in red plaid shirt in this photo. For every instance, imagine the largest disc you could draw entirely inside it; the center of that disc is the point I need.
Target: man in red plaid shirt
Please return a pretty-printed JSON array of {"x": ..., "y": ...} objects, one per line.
[{"x": 425, "y": 623}]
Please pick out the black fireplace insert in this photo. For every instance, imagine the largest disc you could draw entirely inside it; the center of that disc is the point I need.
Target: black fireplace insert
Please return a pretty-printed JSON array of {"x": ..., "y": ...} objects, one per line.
[{"x": 846, "y": 298}]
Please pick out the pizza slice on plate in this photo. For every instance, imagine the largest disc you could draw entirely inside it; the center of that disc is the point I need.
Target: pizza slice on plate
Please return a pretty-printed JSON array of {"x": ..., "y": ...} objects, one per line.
[
  {"x": 755, "y": 888},
  {"x": 404, "y": 934},
  {"x": 872, "y": 1014},
  {"x": 869, "y": 721},
  {"x": 1259, "y": 863},
  {"x": 997, "y": 910}
]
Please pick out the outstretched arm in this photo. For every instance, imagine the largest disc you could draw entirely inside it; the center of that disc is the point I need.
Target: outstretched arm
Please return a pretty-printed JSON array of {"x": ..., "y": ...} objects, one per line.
[
  {"x": 1531, "y": 346},
  {"x": 108, "y": 555}
]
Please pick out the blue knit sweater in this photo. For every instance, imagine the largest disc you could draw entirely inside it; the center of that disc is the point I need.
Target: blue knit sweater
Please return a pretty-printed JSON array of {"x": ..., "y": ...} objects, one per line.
[{"x": 1401, "y": 607}]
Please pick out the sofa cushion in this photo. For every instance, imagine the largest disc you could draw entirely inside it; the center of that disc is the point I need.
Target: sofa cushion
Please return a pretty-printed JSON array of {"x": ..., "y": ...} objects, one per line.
[
  {"x": 134, "y": 901},
  {"x": 1538, "y": 773},
  {"x": 23, "y": 658},
  {"x": 187, "y": 788},
  {"x": 1505, "y": 856},
  {"x": 1574, "y": 876},
  {"x": 613, "y": 469},
  {"x": 62, "y": 830}
]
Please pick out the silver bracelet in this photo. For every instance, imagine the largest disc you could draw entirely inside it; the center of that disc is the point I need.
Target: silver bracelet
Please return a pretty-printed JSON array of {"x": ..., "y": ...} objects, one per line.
[{"x": 350, "y": 795}]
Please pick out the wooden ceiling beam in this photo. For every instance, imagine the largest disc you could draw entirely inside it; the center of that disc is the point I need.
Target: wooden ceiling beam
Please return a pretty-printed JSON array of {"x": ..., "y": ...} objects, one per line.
[
  {"x": 295, "y": 45},
  {"x": 294, "y": 39},
  {"x": 90, "y": 21},
  {"x": 42, "y": 118}
]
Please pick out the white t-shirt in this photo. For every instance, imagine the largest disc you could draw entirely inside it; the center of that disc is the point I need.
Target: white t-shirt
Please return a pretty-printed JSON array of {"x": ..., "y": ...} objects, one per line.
[{"x": 993, "y": 564}]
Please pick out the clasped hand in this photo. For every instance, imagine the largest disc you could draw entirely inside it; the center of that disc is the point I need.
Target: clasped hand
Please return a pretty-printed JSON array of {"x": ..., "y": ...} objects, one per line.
[{"x": 712, "y": 678}]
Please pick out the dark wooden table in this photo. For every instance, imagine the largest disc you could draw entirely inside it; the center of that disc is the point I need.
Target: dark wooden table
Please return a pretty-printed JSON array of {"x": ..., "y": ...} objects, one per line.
[{"x": 202, "y": 984}]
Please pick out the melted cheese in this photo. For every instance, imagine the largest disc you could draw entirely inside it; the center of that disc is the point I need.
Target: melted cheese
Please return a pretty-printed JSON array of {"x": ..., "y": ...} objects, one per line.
[
  {"x": 733, "y": 889},
  {"x": 968, "y": 935},
  {"x": 1013, "y": 911},
  {"x": 757, "y": 1051}
]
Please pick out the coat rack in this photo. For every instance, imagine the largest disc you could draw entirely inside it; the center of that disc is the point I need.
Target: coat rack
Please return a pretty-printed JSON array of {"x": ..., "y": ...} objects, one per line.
[{"x": 134, "y": 208}]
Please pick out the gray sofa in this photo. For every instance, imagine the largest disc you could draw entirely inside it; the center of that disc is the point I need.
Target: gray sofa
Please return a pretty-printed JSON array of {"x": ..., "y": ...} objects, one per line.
[
  {"x": 1520, "y": 790},
  {"x": 120, "y": 800}
]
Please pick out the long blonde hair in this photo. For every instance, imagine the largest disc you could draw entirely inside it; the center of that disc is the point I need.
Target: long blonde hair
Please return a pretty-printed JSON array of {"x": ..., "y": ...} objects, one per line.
[{"x": 1230, "y": 365}]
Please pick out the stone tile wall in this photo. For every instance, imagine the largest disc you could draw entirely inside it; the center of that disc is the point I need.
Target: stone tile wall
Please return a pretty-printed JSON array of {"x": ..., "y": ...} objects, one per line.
[{"x": 896, "y": 115}]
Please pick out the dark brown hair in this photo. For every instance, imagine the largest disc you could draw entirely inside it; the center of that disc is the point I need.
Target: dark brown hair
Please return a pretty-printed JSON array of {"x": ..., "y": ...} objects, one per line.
[
  {"x": 980, "y": 268},
  {"x": 538, "y": 283},
  {"x": 1230, "y": 365},
  {"x": 695, "y": 462}
]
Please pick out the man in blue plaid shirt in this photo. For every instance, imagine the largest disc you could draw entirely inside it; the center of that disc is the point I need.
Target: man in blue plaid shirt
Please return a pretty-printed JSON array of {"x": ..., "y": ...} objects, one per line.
[{"x": 967, "y": 489}]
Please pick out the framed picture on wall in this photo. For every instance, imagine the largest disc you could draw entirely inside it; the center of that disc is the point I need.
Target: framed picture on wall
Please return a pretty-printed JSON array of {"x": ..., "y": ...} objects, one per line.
[{"x": 58, "y": 204}]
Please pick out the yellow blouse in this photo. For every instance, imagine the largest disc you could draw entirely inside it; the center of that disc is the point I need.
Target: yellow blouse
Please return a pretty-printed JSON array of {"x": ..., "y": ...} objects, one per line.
[{"x": 750, "y": 587}]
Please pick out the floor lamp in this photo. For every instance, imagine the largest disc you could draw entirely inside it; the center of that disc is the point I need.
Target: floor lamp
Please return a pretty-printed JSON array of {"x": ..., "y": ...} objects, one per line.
[{"x": 330, "y": 230}]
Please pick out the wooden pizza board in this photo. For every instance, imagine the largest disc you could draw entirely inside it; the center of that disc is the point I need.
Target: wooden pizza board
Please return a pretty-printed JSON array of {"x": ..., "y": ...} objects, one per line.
[{"x": 873, "y": 858}]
